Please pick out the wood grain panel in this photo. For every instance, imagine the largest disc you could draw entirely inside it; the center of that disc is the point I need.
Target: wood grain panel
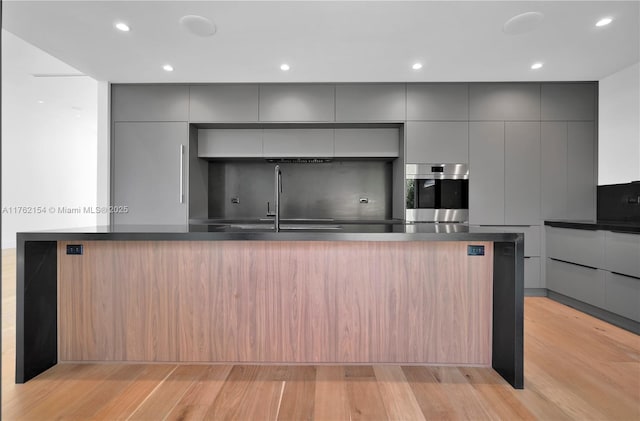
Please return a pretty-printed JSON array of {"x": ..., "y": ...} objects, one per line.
[{"x": 280, "y": 301}]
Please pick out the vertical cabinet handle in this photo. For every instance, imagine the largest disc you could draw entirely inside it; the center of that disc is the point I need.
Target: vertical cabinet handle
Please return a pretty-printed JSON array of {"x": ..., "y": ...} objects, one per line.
[{"x": 181, "y": 174}]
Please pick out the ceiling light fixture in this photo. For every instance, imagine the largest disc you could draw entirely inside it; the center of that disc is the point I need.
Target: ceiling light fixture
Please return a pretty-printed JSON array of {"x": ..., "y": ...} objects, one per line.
[
  {"x": 168, "y": 68},
  {"x": 123, "y": 27},
  {"x": 604, "y": 22},
  {"x": 536, "y": 66},
  {"x": 40, "y": 101},
  {"x": 417, "y": 66},
  {"x": 285, "y": 67}
]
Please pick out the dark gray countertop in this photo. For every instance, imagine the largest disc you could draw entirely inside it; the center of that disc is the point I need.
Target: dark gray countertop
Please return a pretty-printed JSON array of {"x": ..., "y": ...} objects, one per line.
[
  {"x": 617, "y": 226},
  {"x": 308, "y": 231}
]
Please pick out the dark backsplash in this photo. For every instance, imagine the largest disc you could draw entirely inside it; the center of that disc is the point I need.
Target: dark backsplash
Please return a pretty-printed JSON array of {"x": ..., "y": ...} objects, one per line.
[{"x": 619, "y": 202}]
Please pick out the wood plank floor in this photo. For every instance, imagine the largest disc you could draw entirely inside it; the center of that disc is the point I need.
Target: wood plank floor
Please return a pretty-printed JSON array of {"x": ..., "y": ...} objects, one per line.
[{"x": 576, "y": 367}]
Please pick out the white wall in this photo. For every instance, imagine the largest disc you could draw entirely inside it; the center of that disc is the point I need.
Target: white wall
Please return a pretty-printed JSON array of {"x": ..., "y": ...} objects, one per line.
[
  {"x": 619, "y": 127},
  {"x": 49, "y": 149}
]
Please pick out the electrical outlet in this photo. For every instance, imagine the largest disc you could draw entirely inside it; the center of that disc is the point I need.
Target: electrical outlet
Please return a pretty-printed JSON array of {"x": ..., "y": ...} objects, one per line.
[{"x": 74, "y": 248}]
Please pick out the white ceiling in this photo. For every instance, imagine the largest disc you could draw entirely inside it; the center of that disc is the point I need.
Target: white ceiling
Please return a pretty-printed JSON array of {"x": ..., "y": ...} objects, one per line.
[{"x": 331, "y": 41}]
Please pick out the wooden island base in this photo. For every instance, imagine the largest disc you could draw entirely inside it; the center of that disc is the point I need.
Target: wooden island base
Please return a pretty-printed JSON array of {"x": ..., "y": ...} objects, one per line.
[{"x": 276, "y": 302}]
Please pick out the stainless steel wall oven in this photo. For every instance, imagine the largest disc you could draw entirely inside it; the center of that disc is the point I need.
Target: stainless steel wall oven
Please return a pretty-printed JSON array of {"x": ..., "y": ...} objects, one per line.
[{"x": 437, "y": 193}]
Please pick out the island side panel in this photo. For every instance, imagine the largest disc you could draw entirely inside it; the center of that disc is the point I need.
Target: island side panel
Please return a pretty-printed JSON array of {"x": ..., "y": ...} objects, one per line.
[
  {"x": 36, "y": 308},
  {"x": 277, "y": 301}
]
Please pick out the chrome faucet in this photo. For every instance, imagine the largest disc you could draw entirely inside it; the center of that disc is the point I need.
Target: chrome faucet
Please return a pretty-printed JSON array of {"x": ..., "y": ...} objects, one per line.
[{"x": 278, "y": 190}]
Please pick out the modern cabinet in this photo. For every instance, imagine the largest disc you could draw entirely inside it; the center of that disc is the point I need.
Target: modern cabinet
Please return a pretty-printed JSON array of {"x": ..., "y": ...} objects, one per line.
[
  {"x": 583, "y": 247},
  {"x": 437, "y": 142},
  {"x": 622, "y": 295},
  {"x": 230, "y": 143},
  {"x": 522, "y": 173},
  {"x": 504, "y": 101},
  {"x": 298, "y": 143},
  {"x": 554, "y": 175},
  {"x": 586, "y": 284},
  {"x": 622, "y": 253},
  {"x": 297, "y": 102},
  {"x": 486, "y": 173},
  {"x": 371, "y": 102},
  {"x": 149, "y": 171},
  {"x": 223, "y": 103},
  {"x": 581, "y": 173},
  {"x": 150, "y": 102},
  {"x": 438, "y": 101},
  {"x": 568, "y": 101},
  {"x": 372, "y": 143}
]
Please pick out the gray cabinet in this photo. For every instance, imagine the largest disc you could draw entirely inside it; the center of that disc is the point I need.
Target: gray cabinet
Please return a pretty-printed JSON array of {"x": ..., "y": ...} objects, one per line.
[
  {"x": 223, "y": 103},
  {"x": 504, "y": 101},
  {"x": 374, "y": 143},
  {"x": 437, "y": 142},
  {"x": 370, "y": 102},
  {"x": 583, "y": 247},
  {"x": 149, "y": 171},
  {"x": 622, "y": 253},
  {"x": 568, "y": 101},
  {"x": 150, "y": 102},
  {"x": 298, "y": 143},
  {"x": 532, "y": 278},
  {"x": 581, "y": 173},
  {"x": 438, "y": 101},
  {"x": 579, "y": 282},
  {"x": 486, "y": 173},
  {"x": 622, "y": 295},
  {"x": 554, "y": 174},
  {"x": 522, "y": 173},
  {"x": 230, "y": 143},
  {"x": 297, "y": 102}
]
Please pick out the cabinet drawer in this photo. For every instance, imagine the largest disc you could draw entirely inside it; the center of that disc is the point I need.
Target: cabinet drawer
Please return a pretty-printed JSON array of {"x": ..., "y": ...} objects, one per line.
[
  {"x": 532, "y": 273},
  {"x": 622, "y": 253},
  {"x": 583, "y": 247},
  {"x": 622, "y": 295},
  {"x": 579, "y": 282}
]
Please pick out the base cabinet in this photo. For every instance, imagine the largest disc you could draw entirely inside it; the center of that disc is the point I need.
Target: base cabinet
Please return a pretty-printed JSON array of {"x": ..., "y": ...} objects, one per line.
[
  {"x": 622, "y": 295},
  {"x": 580, "y": 282}
]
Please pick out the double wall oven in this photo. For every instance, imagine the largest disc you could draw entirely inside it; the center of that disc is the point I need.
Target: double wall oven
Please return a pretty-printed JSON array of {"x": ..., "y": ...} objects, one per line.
[{"x": 437, "y": 193}]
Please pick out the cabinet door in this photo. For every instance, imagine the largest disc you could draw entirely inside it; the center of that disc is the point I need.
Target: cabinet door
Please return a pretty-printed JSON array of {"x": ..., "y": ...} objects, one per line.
[
  {"x": 622, "y": 253},
  {"x": 622, "y": 295},
  {"x": 568, "y": 101},
  {"x": 150, "y": 102},
  {"x": 486, "y": 173},
  {"x": 532, "y": 277},
  {"x": 230, "y": 143},
  {"x": 584, "y": 247},
  {"x": 149, "y": 172},
  {"x": 298, "y": 143},
  {"x": 297, "y": 102},
  {"x": 582, "y": 283},
  {"x": 383, "y": 102},
  {"x": 522, "y": 173},
  {"x": 554, "y": 170},
  {"x": 581, "y": 173},
  {"x": 504, "y": 101},
  {"x": 437, "y": 142},
  {"x": 375, "y": 143},
  {"x": 438, "y": 101},
  {"x": 223, "y": 103}
]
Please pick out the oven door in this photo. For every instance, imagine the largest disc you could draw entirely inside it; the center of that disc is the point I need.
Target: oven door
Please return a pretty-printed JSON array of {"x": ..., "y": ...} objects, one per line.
[{"x": 437, "y": 200}]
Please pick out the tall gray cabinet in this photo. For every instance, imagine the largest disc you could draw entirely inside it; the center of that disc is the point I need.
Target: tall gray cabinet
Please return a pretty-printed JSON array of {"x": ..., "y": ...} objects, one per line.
[{"x": 150, "y": 144}]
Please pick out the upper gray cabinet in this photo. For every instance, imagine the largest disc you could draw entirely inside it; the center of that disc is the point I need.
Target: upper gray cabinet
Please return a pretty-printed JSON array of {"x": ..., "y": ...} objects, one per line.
[
  {"x": 438, "y": 101},
  {"x": 370, "y": 102},
  {"x": 230, "y": 143},
  {"x": 150, "y": 102},
  {"x": 375, "y": 143},
  {"x": 437, "y": 142},
  {"x": 297, "y": 102},
  {"x": 223, "y": 103},
  {"x": 554, "y": 157},
  {"x": 581, "y": 173},
  {"x": 486, "y": 173},
  {"x": 569, "y": 101},
  {"x": 298, "y": 143},
  {"x": 504, "y": 101}
]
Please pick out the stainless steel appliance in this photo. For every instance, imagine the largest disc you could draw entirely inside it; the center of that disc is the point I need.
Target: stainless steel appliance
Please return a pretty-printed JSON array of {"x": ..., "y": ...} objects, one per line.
[{"x": 437, "y": 193}]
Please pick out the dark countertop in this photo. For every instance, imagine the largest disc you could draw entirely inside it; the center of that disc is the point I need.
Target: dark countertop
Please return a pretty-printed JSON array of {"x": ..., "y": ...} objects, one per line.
[
  {"x": 617, "y": 226},
  {"x": 307, "y": 231}
]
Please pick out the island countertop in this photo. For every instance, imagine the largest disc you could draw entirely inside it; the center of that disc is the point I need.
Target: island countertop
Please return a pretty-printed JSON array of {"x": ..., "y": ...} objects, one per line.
[{"x": 82, "y": 291}]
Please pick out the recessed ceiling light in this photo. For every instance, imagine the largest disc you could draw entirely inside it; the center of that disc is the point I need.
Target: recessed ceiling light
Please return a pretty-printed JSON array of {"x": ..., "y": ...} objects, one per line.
[
  {"x": 522, "y": 23},
  {"x": 417, "y": 66},
  {"x": 123, "y": 27},
  {"x": 168, "y": 68},
  {"x": 198, "y": 25},
  {"x": 536, "y": 66},
  {"x": 40, "y": 101},
  {"x": 604, "y": 22},
  {"x": 284, "y": 67}
]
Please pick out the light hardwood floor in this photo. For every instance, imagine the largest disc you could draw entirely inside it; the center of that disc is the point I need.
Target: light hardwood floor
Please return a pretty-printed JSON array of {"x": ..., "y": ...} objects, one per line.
[{"x": 576, "y": 367}]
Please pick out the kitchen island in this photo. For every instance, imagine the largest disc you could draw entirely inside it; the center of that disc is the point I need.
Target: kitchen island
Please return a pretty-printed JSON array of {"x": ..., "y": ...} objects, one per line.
[{"x": 439, "y": 294}]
